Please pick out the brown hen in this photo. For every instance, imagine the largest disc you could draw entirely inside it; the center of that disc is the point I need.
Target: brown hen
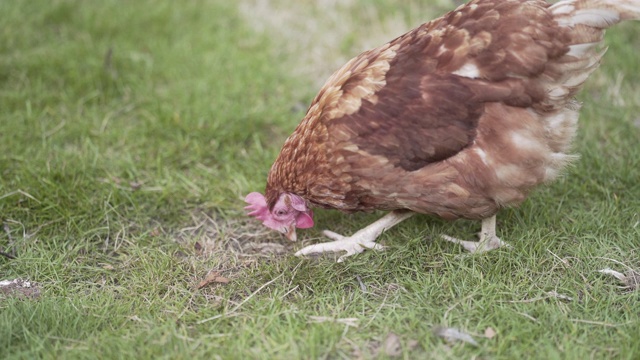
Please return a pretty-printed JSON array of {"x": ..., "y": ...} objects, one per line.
[{"x": 457, "y": 118}]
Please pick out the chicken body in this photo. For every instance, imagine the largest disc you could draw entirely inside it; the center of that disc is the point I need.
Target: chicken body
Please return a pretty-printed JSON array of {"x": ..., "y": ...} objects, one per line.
[{"x": 457, "y": 118}]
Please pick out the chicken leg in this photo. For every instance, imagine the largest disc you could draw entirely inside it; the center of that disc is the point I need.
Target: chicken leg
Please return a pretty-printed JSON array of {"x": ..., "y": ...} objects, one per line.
[
  {"x": 488, "y": 239},
  {"x": 356, "y": 243}
]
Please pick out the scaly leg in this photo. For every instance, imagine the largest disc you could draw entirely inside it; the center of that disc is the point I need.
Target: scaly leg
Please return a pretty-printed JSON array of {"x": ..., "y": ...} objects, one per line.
[
  {"x": 356, "y": 243},
  {"x": 488, "y": 239}
]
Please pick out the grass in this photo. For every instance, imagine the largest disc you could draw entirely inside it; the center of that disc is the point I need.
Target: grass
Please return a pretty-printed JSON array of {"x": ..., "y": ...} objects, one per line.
[{"x": 130, "y": 133}]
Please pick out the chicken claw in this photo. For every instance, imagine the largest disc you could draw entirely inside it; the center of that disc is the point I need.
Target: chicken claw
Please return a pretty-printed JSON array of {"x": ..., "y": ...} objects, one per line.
[
  {"x": 356, "y": 243},
  {"x": 488, "y": 239},
  {"x": 352, "y": 245}
]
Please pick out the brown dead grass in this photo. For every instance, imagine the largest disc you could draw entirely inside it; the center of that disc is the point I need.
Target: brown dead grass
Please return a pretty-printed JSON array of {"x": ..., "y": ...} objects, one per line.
[
  {"x": 221, "y": 250},
  {"x": 238, "y": 238}
]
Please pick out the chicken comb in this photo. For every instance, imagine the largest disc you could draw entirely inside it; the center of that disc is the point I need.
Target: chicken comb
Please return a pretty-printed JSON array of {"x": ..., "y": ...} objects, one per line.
[{"x": 257, "y": 206}]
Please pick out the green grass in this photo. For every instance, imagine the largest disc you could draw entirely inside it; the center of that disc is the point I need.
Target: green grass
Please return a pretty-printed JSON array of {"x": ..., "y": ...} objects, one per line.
[{"x": 131, "y": 131}]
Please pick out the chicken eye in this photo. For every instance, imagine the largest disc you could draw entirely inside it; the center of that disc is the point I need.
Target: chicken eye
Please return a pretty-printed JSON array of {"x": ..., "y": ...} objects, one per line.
[{"x": 281, "y": 212}]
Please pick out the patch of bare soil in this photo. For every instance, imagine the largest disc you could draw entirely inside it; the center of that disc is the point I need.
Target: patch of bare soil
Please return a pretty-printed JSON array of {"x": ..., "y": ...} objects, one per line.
[
  {"x": 22, "y": 289},
  {"x": 237, "y": 238},
  {"x": 227, "y": 247}
]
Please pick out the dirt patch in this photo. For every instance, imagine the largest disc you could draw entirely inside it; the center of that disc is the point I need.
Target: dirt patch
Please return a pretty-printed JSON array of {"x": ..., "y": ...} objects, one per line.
[
  {"x": 238, "y": 238},
  {"x": 220, "y": 251},
  {"x": 22, "y": 289}
]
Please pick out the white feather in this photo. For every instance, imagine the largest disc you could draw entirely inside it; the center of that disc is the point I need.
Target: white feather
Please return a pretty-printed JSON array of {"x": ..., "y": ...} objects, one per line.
[
  {"x": 601, "y": 18},
  {"x": 579, "y": 50},
  {"x": 562, "y": 8},
  {"x": 468, "y": 70}
]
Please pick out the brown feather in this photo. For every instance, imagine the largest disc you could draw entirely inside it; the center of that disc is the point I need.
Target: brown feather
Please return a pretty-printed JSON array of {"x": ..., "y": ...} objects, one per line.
[{"x": 458, "y": 117}]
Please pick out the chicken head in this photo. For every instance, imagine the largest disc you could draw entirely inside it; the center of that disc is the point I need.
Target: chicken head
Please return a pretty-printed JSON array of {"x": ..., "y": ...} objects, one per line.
[{"x": 289, "y": 212}]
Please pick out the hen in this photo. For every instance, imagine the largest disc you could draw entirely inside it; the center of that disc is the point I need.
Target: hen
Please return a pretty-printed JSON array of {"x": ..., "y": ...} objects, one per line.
[{"x": 457, "y": 118}]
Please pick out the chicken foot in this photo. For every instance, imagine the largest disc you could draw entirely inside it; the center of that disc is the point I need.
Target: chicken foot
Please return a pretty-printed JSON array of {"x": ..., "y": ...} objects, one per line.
[
  {"x": 356, "y": 243},
  {"x": 488, "y": 239}
]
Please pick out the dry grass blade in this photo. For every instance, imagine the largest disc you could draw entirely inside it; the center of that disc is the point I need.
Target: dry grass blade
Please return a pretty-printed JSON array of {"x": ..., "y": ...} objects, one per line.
[
  {"x": 353, "y": 322},
  {"x": 557, "y": 295},
  {"x": 211, "y": 278}
]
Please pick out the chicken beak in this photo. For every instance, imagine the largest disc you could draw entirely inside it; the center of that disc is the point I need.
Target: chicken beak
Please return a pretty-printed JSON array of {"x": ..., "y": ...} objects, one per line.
[{"x": 290, "y": 232}]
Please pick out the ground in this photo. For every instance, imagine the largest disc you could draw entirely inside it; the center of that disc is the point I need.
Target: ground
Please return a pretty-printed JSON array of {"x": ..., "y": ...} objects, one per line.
[{"x": 131, "y": 132}]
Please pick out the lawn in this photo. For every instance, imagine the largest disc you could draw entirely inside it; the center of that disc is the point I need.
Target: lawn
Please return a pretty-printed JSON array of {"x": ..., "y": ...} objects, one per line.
[{"x": 132, "y": 130}]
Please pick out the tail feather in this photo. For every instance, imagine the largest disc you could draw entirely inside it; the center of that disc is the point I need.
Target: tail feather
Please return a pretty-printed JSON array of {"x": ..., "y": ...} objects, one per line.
[
  {"x": 600, "y": 14},
  {"x": 587, "y": 20}
]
